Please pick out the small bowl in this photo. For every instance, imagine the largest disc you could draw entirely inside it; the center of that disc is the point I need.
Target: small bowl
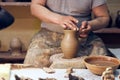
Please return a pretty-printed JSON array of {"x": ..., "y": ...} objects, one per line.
[{"x": 98, "y": 64}]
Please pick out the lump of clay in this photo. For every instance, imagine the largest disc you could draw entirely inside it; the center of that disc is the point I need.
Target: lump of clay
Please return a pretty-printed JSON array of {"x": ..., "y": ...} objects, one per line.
[
  {"x": 69, "y": 70},
  {"x": 71, "y": 77},
  {"x": 48, "y": 70},
  {"x": 47, "y": 79},
  {"x": 21, "y": 78}
]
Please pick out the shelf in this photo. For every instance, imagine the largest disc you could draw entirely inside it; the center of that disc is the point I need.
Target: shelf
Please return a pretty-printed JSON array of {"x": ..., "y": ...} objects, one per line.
[{"x": 7, "y": 57}]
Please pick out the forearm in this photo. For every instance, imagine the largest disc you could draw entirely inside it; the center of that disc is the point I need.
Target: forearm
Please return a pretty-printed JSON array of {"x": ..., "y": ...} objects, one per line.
[
  {"x": 44, "y": 14},
  {"x": 99, "y": 23}
]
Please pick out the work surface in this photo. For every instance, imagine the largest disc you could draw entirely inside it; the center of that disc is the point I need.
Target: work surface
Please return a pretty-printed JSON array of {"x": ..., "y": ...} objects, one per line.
[{"x": 35, "y": 73}]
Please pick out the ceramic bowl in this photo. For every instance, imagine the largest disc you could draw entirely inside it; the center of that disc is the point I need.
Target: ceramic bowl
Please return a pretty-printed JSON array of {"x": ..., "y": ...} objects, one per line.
[{"x": 98, "y": 64}]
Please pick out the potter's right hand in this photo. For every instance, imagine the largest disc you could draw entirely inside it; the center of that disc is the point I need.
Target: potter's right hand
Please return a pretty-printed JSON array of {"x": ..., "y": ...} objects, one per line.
[{"x": 68, "y": 22}]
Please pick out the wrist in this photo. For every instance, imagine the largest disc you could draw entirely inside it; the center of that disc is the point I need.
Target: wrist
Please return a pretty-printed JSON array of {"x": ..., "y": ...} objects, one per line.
[
  {"x": 57, "y": 18},
  {"x": 90, "y": 24}
]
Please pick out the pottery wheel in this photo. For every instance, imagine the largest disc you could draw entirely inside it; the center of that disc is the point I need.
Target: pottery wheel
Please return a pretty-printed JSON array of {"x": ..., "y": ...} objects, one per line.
[{"x": 59, "y": 62}]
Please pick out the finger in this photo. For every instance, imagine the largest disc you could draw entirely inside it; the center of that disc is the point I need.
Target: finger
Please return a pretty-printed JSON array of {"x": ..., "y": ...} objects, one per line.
[
  {"x": 74, "y": 20},
  {"x": 83, "y": 35},
  {"x": 70, "y": 25},
  {"x": 84, "y": 24},
  {"x": 64, "y": 26},
  {"x": 87, "y": 29},
  {"x": 74, "y": 25}
]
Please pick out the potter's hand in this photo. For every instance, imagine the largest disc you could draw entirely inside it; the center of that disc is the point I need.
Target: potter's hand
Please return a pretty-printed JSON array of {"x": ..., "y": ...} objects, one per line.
[
  {"x": 84, "y": 29},
  {"x": 68, "y": 22}
]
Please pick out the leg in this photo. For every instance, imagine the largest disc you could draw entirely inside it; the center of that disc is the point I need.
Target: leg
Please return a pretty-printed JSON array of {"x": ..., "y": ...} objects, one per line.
[
  {"x": 93, "y": 45},
  {"x": 45, "y": 42},
  {"x": 96, "y": 46}
]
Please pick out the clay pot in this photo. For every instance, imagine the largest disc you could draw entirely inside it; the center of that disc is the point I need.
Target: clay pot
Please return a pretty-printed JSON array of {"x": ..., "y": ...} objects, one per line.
[
  {"x": 69, "y": 44},
  {"x": 98, "y": 64},
  {"x": 16, "y": 46}
]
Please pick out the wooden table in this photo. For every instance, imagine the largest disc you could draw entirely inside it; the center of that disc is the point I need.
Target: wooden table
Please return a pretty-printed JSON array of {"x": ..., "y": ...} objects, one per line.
[{"x": 59, "y": 74}]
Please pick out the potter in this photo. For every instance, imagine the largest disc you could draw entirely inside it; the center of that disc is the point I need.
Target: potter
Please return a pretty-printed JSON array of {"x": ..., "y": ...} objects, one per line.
[{"x": 56, "y": 15}]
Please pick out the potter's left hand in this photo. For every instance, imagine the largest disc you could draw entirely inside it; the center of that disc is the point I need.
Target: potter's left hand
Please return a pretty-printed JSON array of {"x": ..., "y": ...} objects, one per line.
[{"x": 84, "y": 29}]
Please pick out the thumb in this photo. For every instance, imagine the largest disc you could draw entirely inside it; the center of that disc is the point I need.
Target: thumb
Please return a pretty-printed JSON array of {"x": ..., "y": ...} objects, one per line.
[{"x": 84, "y": 24}]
